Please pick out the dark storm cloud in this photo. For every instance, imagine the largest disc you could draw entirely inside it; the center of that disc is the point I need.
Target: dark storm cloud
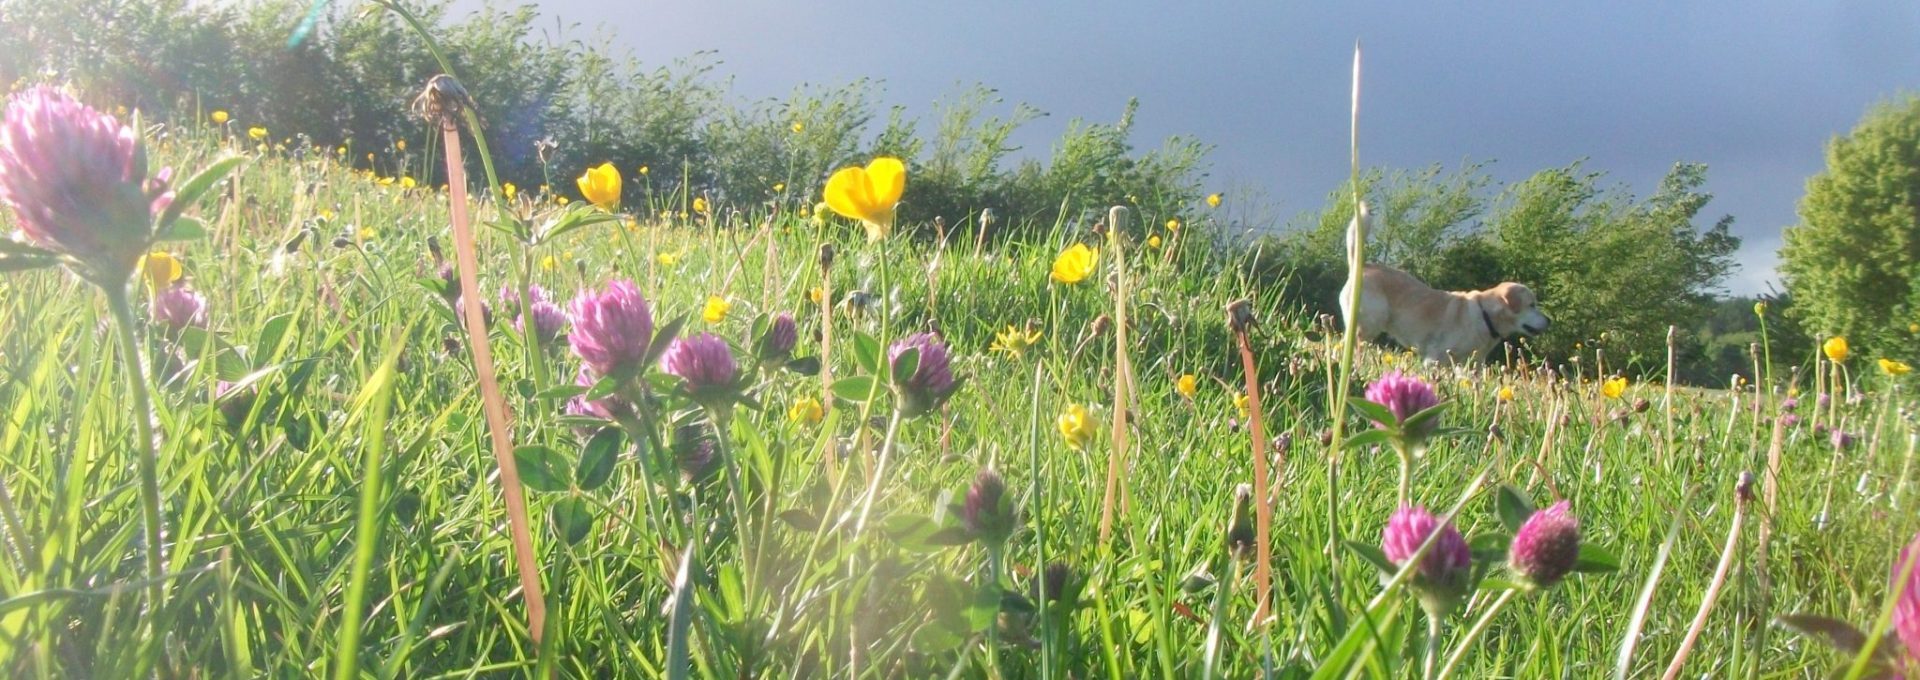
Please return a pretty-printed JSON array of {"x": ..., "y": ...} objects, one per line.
[{"x": 1753, "y": 89}]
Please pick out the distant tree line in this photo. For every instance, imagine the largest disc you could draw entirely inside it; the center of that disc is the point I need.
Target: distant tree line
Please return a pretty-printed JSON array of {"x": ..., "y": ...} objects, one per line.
[{"x": 1613, "y": 269}]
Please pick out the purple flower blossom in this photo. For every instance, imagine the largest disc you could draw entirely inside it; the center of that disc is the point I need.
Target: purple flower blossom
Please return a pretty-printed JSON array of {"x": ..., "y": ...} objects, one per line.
[
  {"x": 1446, "y": 562},
  {"x": 1404, "y": 395},
  {"x": 1841, "y": 439},
  {"x": 1790, "y": 420},
  {"x": 547, "y": 317},
  {"x": 611, "y": 329},
  {"x": 77, "y": 180},
  {"x": 1823, "y": 400},
  {"x": 234, "y": 404},
  {"x": 1790, "y": 404},
  {"x": 1547, "y": 545},
  {"x": 605, "y": 408},
  {"x": 694, "y": 451},
  {"x": 704, "y": 361},
  {"x": 932, "y": 380},
  {"x": 1906, "y": 610},
  {"x": 782, "y": 335},
  {"x": 178, "y": 308},
  {"x": 987, "y": 513}
]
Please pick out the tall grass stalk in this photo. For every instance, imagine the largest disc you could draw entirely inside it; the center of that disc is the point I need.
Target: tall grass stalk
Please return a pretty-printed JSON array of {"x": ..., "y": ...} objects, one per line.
[
  {"x": 1712, "y": 597},
  {"x": 1122, "y": 375},
  {"x": 1350, "y": 336},
  {"x": 374, "y": 404},
  {"x": 147, "y": 460}
]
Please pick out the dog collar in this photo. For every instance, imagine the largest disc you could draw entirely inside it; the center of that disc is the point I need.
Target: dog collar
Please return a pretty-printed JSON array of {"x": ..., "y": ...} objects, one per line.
[{"x": 1484, "y": 316}]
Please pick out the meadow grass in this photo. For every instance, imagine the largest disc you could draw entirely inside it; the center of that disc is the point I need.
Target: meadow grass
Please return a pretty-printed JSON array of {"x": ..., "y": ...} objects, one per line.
[{"x": 358, "y": 409}]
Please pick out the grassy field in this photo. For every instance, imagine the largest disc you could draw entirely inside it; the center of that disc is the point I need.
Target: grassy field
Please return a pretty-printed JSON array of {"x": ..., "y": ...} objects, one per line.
[{"x": 340, "y": 511}]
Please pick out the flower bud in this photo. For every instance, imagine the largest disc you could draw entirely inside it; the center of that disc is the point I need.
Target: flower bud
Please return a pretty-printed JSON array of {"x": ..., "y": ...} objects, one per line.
[
  {"x": 932, "y": 381},
  {"x": 988, "y": 513},
  {"x": 1547, "y": 546}
]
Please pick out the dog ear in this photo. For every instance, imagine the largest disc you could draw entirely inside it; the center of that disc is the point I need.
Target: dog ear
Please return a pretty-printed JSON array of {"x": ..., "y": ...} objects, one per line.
[{"x": 1517, "y": 297}]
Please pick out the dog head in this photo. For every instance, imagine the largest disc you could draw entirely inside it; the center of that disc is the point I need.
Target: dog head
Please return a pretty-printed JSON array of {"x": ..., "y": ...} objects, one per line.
[{"x": 1513, "y": 310}]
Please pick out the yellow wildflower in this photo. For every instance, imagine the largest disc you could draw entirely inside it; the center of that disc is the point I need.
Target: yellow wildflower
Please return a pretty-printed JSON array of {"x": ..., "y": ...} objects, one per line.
[
  {"x": 386, "y": 181},
  {"x": 644, "y": 171},
  {"x": 667, "y": 259},
  {"x": 1153, "y": 241},
  {"x": 816, "y": 295},
  {"x": 1213, "y": 199},
  {"x": 508, "y": 190},
  {"x": 700, "y": 205},
  {"x": 367, "y": 233},
  {"x": 1076, "y": 427},
  {"x": 779, "y": 187},
  {"x": 562, "y": 200},
  {"x": 408, "y": 183},
  {"x": 1187, "y": 385},
  {"x": 601, "y": 186},
  {"x": 1894, "y": 368},
  {"x": 869, "y": 194},
  {"x": 400, "y": 144},
  {"x": 1505, "y": 393},
  {"x": 219, "y": 117},
  {"x": 1014, "y": 341},
  {"x": 161, "y": 270},
  {"x": 1240, "y": 402},
  {"x": 797, "y": 127},
  {"x": 1075, "y": 264},
  {"x": 716, "y": 309},
  {"x": 1173, "y": 225},
  {"x": 257, "y": 133},
  {"x": 548, "y": 263},
  {"x": 1836, "y": 349},
  {"x": 1614, "y": 387},
  {"x": 807, "y": 410}
]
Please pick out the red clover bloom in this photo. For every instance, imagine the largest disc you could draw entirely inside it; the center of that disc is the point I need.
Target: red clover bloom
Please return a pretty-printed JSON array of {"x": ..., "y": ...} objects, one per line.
[
  {"x": 1547, "y": 546},
  {"x": 1404, "y": 395},
  {"x": 704, "y": 361},
  {"x": 1443, "y": 571},
  {"x": 611, "y": 328},
  {"x": 932, "y": 380},
  {"x": 178, "y": 308}
]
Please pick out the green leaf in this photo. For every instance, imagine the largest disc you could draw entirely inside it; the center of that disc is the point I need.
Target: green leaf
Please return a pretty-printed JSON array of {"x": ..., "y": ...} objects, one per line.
[
  {"x": 866, "y": 353},
  {"x": 1374, "y": 556},
  {"x": 560, "y": 392},
  {"x": 904, "y": 367},
  {"x": 1514, "y": 507},
  {"x": 541, "y": 467},
  {"x": 1372, "y": 411},
  {"x": 602, "y": 388},
  {"x": 597, "y": 458},
  {"x": 1373, "y": 437},
  {"x": 1490, "y": 547},
  {"x": 857, "y": 389},
  {"x": 1833, "y": 632},
  {"x": 1496, "y": 585},
  {"x": 576, "y": 217},
  {"x": 191, "y": 191},
  {"x": 202, "y": 344},
  {"x": 1418, "y": 421},
  {"x": 800, "y": 519},
  {"x": 271, "y": 333},
  {"x": 572, "y": 519},
  {"x": 185, "y": 229},
  {"x": 1596, "y": 560}
]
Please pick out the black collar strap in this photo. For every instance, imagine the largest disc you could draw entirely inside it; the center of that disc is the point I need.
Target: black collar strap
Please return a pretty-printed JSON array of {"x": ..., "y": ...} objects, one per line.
[{"x": 1484, "y": 316}]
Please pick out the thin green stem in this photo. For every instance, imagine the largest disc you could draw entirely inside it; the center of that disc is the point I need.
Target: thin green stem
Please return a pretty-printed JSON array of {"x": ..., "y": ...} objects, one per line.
[
  {"x": 1406, "y": 474},
  {"x": 149, "y": 459},
  {"x": 1433, "y": 646},
  {"x": 1473, "y": 634},
  {"x": 879, "y": 471}
]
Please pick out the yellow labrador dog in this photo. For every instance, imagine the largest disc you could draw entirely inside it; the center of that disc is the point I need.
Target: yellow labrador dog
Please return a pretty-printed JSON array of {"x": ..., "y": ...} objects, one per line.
[{"x": 1442, "y": 326}]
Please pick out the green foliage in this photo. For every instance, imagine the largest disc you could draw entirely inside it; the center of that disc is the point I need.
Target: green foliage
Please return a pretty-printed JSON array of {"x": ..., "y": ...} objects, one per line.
[
  {"x": 555, "y": 103},
  {"x": 1853, "y": 261}
]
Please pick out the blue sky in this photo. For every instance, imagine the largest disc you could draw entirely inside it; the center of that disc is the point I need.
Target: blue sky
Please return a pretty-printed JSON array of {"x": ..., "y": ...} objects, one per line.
[{"x": 1753, "y": 89}]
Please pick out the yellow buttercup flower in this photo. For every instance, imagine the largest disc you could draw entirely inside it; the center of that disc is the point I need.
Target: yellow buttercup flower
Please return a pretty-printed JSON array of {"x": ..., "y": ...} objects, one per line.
[
  {"x": 257, "y": 133},
  {"x": 816, "y": 295},
  {"x": 367, "y": 233},
  {"x": 1894, "y": 368},
  {"x": 797, "y": 127},
  {"x": 1153, "y": 241},
  {"x": 1173, "y": 225},
  {"x": 340, "y": 151},
  {"x": 644, "y": 171},
  {"x": 1505, "y": 393},
  {"x": 700, "y": 205},
  {"x": 807, "y": 410},
  {"x": 548, "y": 263},
  {"x": 386, "y": 181},
  {"x": 601, "y": 186},
  {"x": 1614, "y": 387},
  {"x": 400, "y": 144},
  {"x": 779, "y": 187},
  {"x": 1213, "y": 199},
  {"x": 869, "y": 194},
  {"x": 219, "y": 117},
  {"x": 562, "y": 200},
  {"x": 1014, "y": 341},
  {"x": 1240, "y": 402},
  {"x": 1836, "y": 349},
  {"x": 161, "y": 269},
  {"x": 1075, "y": 264},
  {"x": 1076, "y": 427},
  {"x": 1913, "y": 328},
  {"x": 1187, "y": 385},
  {"x": 408, "y": 183},
  {"x": 667, "y": 259},
  {"x": 508, "y": 190},
  {"x": 716, "y": 309}
]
